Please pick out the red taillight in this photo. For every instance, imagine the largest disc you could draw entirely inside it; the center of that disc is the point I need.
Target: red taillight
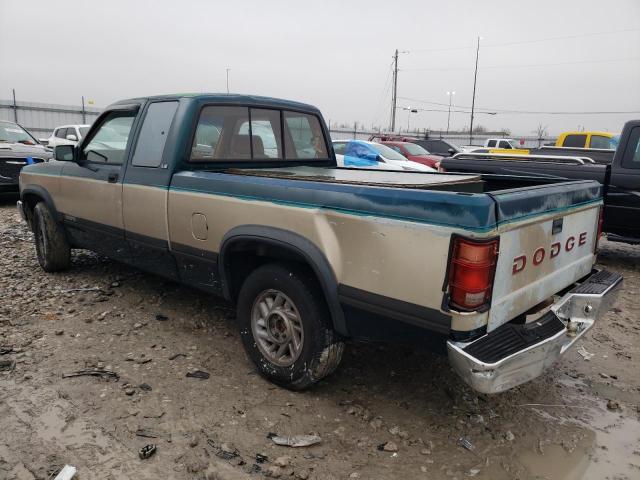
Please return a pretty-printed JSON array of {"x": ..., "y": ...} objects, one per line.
[
  {"x": 471, "y": 272},
  {"x": 600, "y": 222}
]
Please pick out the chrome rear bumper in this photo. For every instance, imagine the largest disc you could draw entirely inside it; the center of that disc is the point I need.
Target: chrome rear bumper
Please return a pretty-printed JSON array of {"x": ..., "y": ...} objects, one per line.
[{"x": 514, "y": 354}]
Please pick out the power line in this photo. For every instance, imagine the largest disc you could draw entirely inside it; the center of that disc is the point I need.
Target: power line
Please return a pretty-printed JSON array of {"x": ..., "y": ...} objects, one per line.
[
  {"x": 564, "y": 37},
  {"x": 533, "y": 65},
  {"x": 523, "y": 42},
  {"x": 524, "y": 112}
]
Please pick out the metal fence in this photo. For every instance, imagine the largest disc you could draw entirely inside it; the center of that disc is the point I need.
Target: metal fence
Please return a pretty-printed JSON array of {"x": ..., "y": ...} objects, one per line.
[
  {"x": 41, "y": 118},
  {"x": 456, "y": 139}
]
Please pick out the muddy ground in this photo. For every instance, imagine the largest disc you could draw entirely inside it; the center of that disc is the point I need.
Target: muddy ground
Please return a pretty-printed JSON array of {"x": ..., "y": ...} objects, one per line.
[{"x": 580, "y": 420}]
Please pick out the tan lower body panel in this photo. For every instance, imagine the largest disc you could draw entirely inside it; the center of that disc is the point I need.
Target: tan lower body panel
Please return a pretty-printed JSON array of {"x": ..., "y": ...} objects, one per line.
[{"x": 402, "y": 260}]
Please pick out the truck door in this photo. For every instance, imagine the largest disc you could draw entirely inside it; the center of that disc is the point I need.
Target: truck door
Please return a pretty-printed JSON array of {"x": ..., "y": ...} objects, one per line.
[
  {"x": 91, "y": 189},
  {"x": 145, "y": 191},
  {"x": 622, "y": 202}
]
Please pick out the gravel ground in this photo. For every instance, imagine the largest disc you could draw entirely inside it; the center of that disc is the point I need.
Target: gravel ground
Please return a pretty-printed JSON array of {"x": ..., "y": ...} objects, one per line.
[{"x": 388, "y": 412}]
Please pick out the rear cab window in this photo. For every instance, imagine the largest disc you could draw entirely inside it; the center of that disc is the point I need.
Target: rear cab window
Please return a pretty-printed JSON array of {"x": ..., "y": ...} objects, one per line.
[
  {"x": 575, "y": 141},
  {"x": 234, "y": 133}
]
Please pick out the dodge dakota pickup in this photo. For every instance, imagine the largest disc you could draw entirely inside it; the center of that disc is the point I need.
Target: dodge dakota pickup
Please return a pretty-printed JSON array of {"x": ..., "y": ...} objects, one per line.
[
  {"x": 240, "y": 197},
  {"x": 620, "y": 176}
]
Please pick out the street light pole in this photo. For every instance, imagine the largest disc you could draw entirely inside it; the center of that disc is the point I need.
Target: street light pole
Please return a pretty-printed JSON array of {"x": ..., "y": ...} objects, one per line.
[
  {"x": 473, "y": 101},
  {"x": 228, "y": 79},
  {"x": 394, "y": 98},
  {"x": 451, "y": 94}
]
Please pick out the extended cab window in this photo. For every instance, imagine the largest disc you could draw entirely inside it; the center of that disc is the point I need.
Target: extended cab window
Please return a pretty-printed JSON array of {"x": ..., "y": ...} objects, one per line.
[
  {"x": 600, "y": 141},
  {"x": 304, "y": 137},
  {"x": 491, "y": 143},
  {"x": 575, "y": 141},
  {"x": 109, "y": 142},
  {"x": 153, "y": 134},
  {"x": 505, "y": 144},
  {"x": 631, "y": 157}
]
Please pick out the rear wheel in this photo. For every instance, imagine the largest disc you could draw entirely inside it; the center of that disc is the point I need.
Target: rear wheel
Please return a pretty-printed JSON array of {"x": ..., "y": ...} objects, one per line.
[
  {"x": 285, "y": 326},
  {"x": 52, "y": 247}
]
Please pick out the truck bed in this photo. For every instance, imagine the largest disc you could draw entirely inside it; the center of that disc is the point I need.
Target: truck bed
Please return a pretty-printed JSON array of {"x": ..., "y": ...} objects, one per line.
[{"x": 351, "y": 176}]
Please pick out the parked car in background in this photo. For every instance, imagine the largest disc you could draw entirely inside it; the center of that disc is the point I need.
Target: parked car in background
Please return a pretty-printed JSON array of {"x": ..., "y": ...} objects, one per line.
[
  {"x": 67, "y": 135},
  {"x": 496, "y": 144},
  {"x": 437, "y": 147},
  {"x": 365, "y": 154},
  {"x": 621, "y": 177},
  {"x": 604, "y": 140},
  {"x": 415, "y": 153},
  {"x": 17, "y": 149}
]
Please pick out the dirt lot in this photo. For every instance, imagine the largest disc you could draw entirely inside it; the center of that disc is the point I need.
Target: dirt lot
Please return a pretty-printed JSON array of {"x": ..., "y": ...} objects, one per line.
[{"x": 580, "y": 420}]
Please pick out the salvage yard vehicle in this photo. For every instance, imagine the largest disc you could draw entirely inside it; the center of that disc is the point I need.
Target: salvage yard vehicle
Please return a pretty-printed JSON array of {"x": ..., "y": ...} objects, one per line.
[
  {"x": 67, "y": 135},
  {"x": 620, "y": 177},
  {"x": 312, "y": 254},
  {"x": 362, "y": 154},
  {"x": 17, "y": 149},
  {"x": 415, "y": 153},
  {"x": 602, "y": 140}
]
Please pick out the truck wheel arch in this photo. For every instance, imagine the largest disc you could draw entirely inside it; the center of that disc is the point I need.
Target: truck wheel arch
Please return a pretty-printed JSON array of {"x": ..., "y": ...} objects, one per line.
[
  {"x": 278, "y": 244},
  {"x": 31, "y": 195}
]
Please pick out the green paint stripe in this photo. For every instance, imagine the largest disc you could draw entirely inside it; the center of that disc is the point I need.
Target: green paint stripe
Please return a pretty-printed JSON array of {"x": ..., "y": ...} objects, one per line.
[{"x": 361, "y": 213}]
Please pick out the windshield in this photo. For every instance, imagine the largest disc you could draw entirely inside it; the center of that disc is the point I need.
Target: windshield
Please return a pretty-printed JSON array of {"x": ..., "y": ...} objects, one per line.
[
  {"x": 387, "y": 152},
  {"x": 13, "y": 133},
  {"x": 83, "y": 131},
  {"x": 414, "y": 149}
]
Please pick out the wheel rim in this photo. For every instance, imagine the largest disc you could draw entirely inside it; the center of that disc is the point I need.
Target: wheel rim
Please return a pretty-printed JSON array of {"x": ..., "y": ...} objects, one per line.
[{"x": 277, "y": 327}]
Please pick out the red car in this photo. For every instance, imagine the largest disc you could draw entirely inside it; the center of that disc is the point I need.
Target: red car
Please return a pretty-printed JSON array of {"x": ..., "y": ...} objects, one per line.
[{"x": 415, "y": 153}]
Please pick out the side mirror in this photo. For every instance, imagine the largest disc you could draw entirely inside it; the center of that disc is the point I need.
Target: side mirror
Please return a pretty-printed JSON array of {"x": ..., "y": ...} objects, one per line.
[
  {"x": 72, "y": 138},
  {"x": 451, "y": 151},
  {"x": 64, "y": 153},
  {"x": 43, "y": 141}
]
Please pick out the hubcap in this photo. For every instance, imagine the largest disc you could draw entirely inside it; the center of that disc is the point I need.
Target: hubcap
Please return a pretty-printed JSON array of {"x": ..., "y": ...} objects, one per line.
[{"x": 277, "y": 328}]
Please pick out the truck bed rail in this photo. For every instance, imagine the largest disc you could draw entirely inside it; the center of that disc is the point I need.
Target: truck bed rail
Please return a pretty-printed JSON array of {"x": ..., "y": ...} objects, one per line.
[{"x": 574, "y": 160}]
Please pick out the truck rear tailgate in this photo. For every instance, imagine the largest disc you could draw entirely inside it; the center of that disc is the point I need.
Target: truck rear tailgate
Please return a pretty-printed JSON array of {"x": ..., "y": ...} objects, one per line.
[{"x": 547, "y": 242}]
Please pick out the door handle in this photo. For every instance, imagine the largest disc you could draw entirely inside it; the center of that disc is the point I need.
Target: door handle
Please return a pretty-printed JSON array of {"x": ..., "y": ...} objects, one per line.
[{"x": 112, "y": 178}]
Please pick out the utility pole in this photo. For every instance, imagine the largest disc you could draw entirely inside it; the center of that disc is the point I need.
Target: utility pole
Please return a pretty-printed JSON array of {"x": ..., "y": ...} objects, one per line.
[
  {"x": 473, "y": 101},
  {"x": 395, "y": 91},
  {"x": 84, "y": 113},
  {"x": 451, "y": 94},
  {"x": 228, "y": 79},
  {"x": 15, "y": 106}
]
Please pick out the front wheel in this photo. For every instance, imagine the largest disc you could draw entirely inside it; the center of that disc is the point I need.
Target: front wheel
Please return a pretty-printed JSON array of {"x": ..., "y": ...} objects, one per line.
[
  {"x": 285, "y": 326},
  {"x": 52, "y": 247}
]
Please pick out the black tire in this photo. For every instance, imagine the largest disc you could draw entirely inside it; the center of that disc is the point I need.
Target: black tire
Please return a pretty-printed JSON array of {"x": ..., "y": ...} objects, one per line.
[
  {"x": 52, "y": 247},
  {"x": 321, "y": 348}
]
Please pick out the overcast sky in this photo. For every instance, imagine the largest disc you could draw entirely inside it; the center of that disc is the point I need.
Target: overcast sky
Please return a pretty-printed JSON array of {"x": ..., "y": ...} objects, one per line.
[{"x": 337, "y": 56}]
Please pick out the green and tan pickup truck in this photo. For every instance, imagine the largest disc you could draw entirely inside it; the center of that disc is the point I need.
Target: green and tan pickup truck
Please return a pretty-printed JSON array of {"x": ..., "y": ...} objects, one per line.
[{"x": 240, "y": 197}]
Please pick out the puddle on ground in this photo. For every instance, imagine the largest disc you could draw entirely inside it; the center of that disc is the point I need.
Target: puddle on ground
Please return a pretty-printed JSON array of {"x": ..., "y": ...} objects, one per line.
[{"x": 608, "y": 450}]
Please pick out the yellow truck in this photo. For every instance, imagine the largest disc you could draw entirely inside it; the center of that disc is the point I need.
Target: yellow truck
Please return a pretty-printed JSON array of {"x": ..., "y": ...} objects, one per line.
[{"x": 604, "y": 140}]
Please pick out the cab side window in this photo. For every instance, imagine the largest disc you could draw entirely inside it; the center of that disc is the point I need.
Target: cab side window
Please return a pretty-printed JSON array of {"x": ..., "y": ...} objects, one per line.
[
  {"x": 153, "y": 134},
  {"x": 109, "y": 142},
  {"x": 575, "y": 141},
  {"x": 61, "y": 133},
  {"x": 505, "y": 144},
  {"x": 598, "y": 141},
  {"x": 491, "y": 143},
  {"x": 631, "y": 158}
]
